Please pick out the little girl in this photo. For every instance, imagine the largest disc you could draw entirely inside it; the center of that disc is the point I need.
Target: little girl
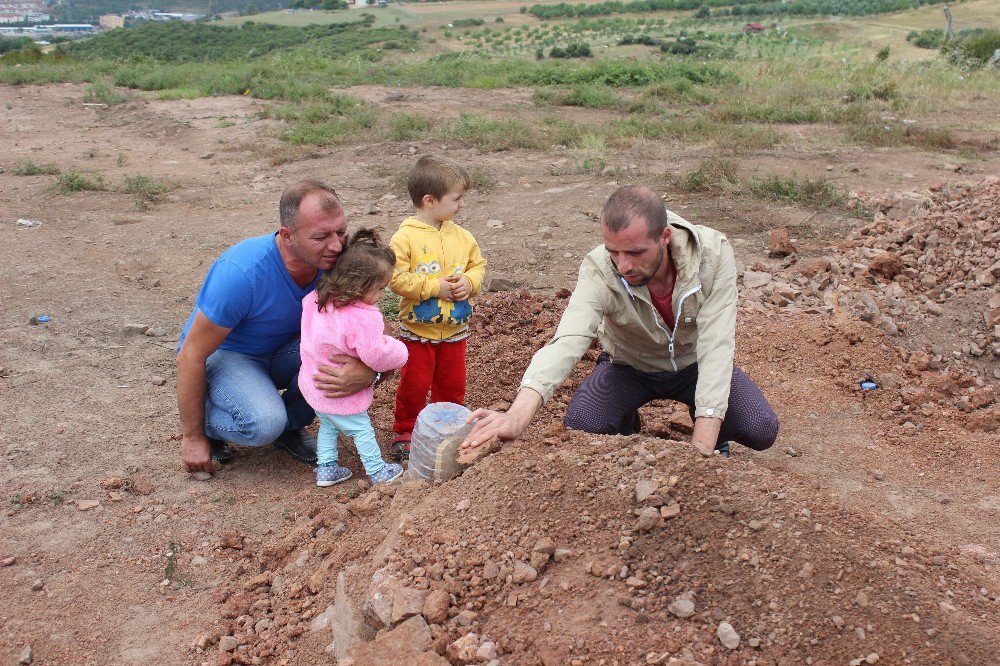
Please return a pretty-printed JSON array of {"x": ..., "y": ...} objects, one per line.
[{"x": 341, "y": 317}]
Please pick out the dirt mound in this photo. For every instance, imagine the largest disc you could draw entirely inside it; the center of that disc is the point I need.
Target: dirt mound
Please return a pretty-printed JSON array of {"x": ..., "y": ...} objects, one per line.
[{"x": 572, "y": 548}]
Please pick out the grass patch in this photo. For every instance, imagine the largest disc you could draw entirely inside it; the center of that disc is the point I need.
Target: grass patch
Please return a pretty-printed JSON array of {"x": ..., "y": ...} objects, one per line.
[
  {"x": 389, "y": 305},
  {"x": 101, "y": 92},
  {"x": 338, "y": 120},
  {"x": 586, "y": 96},
  {"x": 74, "y": 181},
  {"x": 407, "y": 127},
  {"x": 29, "y": 168},
  {"x": 713, "y": 175},
  {"x": 144, "y": 190},
  {"x": 482, "y": 179},
  {"x": 493, "y": 135},
  {"x": 815, "y": 192}
]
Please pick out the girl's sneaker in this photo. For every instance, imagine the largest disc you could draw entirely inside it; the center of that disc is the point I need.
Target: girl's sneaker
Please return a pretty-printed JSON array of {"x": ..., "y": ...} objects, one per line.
[
  {"x": 390, "y": 472},
  {"x": 331, "y": 475}
]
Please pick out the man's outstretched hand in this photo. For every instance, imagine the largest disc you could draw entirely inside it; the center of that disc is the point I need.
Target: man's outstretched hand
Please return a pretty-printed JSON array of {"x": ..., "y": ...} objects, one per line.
[
  {"x": 196, "y": 454},
  {"x": 504, "y": 426}
]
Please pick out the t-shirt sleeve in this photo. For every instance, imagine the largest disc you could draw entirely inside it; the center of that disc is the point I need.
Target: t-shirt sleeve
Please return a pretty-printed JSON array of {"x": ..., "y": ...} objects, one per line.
[{"x": 226, "y": 297}]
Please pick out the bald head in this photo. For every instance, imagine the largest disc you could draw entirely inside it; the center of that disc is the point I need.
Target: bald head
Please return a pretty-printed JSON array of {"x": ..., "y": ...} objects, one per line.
[
  {"x": 314, "y": 193},
  {"x": 632, "y": 203}
]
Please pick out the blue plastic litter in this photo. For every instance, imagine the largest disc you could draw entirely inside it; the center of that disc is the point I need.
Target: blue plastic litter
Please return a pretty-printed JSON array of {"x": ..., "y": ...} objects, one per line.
[
  {"x": 868, "y": 386},
  {"x": 42, "y": 319}
]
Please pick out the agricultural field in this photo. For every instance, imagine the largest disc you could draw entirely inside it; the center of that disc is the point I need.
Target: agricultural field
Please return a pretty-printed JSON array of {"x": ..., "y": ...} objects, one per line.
[{"x": 851, "y": 160}]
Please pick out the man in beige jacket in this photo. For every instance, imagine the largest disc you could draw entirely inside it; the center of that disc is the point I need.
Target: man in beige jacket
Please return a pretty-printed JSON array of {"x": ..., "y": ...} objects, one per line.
[{"x": 660, "y": 296}]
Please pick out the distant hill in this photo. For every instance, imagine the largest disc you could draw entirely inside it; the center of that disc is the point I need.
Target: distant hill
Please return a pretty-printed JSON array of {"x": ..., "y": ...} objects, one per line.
[{"x": 75, "y": 11}]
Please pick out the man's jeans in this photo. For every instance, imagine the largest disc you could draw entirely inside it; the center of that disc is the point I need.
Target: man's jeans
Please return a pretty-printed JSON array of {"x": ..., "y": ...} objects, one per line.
[{"x": 243, "y": 404}]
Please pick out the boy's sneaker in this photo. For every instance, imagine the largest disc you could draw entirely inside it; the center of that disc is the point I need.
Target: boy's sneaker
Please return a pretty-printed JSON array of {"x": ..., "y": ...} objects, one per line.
[
  {"x": 401, "y": 446},
  {"x": 390, "y": 472},
  {"x": 331, "y": 475}
]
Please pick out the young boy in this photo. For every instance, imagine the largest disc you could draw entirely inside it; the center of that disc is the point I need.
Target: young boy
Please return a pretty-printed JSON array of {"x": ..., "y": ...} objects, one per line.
[{"x": 438, "y": 268}]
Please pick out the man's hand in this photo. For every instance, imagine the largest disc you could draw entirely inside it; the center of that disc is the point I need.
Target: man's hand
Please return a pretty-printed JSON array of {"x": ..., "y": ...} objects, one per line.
[
  {"x": 343, "y": 380},
  {"x": 505, "y": 426},
  {"x": 461, "y": 287},
  {"x": 196, "y": 454},
  {"x": 706, "y": 434},
  {"x": 446, "y": 290}
]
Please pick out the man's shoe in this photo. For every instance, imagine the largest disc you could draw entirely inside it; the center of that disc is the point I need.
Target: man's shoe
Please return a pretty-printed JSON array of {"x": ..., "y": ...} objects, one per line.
[
  {"x": 221, "y": 452},
  {"x": 390, "y": 472},
  {"x": 723, "y": 449},
  {"x": 331, "y": 475},
  {"x": 299, "y": 444}
]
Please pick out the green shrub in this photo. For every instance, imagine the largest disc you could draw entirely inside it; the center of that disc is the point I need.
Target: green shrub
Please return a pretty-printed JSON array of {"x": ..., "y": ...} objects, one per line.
[
  {"x": 712, "y": 175},
  {"x": 818, "y": 193},
  {"x": 407, "y": 126},
  {"x": 931, "y": 38},
  {"x": 883, "y": 54},
  {"x": 100, "y": 92},
  {"x": 144, "y": 190},
  {"x": 572, "y": 50},
  {"x": 490, "y": 134},
  {"x": 29, "y": 168},
  {"x": 74, "y": 181},
  {"x": 974, "y": 50},
  {"x": 467, "y": 23}
]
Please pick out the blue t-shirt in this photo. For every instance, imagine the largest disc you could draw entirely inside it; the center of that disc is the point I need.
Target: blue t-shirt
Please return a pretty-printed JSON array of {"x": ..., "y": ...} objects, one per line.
[{"x": 249, "y": 290}]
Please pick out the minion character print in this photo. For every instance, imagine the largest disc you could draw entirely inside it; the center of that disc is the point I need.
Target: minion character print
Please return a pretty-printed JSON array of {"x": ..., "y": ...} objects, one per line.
[{"x": 433, "y": 310}]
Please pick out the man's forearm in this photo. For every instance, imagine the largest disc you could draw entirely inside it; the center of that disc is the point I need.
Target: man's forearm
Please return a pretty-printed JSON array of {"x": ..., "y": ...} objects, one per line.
[
  {"x": 706, "y": 433},
  {"x": 191, "y": 396},
  {"x": 523, "y": 409}
]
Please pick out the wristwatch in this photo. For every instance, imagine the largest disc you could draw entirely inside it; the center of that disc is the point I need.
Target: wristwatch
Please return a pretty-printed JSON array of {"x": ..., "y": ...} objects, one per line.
[{"x": 378, "y": 378}]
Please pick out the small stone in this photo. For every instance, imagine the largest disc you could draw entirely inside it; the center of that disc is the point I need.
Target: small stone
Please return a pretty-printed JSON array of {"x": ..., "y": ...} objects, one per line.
[
  {"x": 682, "y": 608},
  {"x": 946, "y": 607},
  {"x": 494, "y": 224},
  {"x": 544, "y": 545},
  {"x": 406, "y": 603},
  {"x": 228, "y": 643},
  {"x": 8, "y": 561},
  {"x": 155, "y": 332},
  {"x": 135, "y": 329},
  {"x": 201, "y": 476},
  {"x": 755, "y": 525},
  {"x": 879, "y": 475},
  {"x": 778, "y": 244},
  {"x": 487, "y": 651},
  {"x": 838, "y": 621},
  {"x": 158, "y": 381},
  {"x": 872, "y": 658},
  {"x": 206, "y": 156},
  {"x": 668, "y": 511},
  {"x": 466, "y": 617},
  {"x": 861, "y": 599},
  {"x": 524, "y": 572},
  {"x": 436, "y": 606},
  {"x": 199, "y": 561},
  {"x": 25, "y": 659},
  {"x": 756, "y": 279},
  {"x": 38, "y": 585},
  {"x": 807, "y": 570},
  {"x": 643, "y": 489},
  {"x": 86, "y": 505},
  {"x": 728, "y": 636},
  {"x": 753, "y": 642},
  {"x": 464, "y": 650},
  {"x": 491, "y": 570},
  {"x": 649, "y": 518},
  {"x": 943, "y": 498},
  {"x": 463, "y": 505},
  {"x": 860, "y": 633}
]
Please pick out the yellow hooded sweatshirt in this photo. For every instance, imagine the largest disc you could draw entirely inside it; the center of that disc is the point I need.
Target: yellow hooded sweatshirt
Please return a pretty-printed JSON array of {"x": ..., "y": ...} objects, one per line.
[{"x": 424, "y": 255}]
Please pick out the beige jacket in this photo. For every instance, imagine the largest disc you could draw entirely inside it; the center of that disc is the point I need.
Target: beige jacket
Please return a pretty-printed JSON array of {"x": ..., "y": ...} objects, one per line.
[{"x": 631, "y": 331}]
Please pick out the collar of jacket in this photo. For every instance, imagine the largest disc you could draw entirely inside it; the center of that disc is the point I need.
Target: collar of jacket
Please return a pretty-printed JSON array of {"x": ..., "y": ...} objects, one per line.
[
  {"x": 685, "y": 252},
  {"x": 423, "y": 226}
]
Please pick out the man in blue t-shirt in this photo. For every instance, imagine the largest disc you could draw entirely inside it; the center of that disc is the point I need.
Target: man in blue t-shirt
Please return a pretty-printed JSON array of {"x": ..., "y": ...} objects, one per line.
[{"x": 240, "y": 347}]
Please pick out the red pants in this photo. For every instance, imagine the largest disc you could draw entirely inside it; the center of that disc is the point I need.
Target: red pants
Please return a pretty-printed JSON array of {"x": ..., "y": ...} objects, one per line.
[{"x": 435, "y": 367}]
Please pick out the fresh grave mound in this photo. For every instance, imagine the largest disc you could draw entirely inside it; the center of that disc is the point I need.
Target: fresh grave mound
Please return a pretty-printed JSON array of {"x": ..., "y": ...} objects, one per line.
[{"x": 583, "y": 549}]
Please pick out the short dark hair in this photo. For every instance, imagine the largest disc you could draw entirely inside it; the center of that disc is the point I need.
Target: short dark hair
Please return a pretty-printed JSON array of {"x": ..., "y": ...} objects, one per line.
[
  {"x": 435, "y": 176},
  {"x": 364, "y": 263},
  {"x": 292, "y": 197},
  {"x": 634, "y": 201}
]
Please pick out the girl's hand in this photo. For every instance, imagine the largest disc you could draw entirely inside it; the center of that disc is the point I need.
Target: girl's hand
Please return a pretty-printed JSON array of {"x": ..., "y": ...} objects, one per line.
[{"x": 461, "y": 287}]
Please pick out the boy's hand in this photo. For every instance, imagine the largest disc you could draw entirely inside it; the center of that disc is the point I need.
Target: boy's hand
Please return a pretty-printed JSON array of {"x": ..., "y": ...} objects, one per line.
[
  {"x": 461, "y": 287},
  {"x": 446, "y": 290}
]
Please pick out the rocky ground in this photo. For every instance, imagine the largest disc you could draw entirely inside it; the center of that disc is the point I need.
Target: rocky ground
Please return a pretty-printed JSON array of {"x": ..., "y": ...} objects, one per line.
[{"x": 868, "y": 534}]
